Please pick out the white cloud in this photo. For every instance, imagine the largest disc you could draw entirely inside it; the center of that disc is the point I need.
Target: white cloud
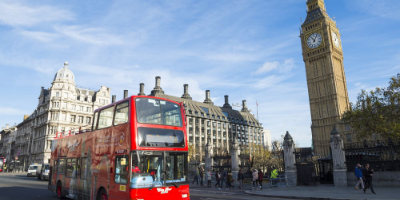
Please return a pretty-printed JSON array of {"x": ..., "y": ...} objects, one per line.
[
  {"x": 286, "y": 66},
  {"x": 18, "y": 14},
  {"x": 39, "y": 35},
  {"x": 97, "y": 36}
]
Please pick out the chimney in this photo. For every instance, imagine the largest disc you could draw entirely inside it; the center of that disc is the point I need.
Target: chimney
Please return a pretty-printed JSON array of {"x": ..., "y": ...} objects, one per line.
[
  {"x": 158, "y": 88},
  {"x": 244, "y": 106},
  {"x": 7, "y": 126},
  {"x": 125, "y": 94},
  {"x": 141, "y": 90},
  {"x": 113, "y": 98},
  {"x": 186, "y": 92},
  {"x": 208, "y": 99},
  {"x": 226, "y": 105}
]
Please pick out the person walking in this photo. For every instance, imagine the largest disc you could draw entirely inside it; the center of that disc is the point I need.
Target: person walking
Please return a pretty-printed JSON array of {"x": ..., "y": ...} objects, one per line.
[
  {"x": 358, "y": 172},
  {"x": 274, "y": 175},
  {"x": 368, "y": 174},
  {"x": 208, "y": 177},
  {"x": 240, "y": 179},
  {"x": 218, "y": 178},
  {"x": 224, "y": 175},
  {"x": 201, "y": 174},
  {"x": 196, "y": 176},
  {"x": 260, "y": 178},
  {"x": 255, "y": 178},
  {"x": 5, "y": 167},
  {"x": 229, "y": 180}
]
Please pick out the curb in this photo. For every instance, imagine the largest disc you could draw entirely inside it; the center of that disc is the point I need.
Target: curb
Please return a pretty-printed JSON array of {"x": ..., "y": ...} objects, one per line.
[{"x": 296, "y": 197}]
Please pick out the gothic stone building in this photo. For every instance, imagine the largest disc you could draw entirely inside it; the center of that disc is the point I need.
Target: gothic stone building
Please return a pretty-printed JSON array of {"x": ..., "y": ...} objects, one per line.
[
  {"x": 214, "y": 124},
  {"x": 326, "y": 80},
  {"x": 62, "y": 108}
]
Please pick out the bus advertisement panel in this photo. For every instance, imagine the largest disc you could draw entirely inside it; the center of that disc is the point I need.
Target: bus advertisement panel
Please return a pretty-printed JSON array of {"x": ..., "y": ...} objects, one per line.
[{"x": 137, "y": 149}]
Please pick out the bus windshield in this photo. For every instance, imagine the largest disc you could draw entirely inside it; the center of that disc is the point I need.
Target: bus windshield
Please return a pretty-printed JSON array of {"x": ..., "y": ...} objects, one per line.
[
  {"x": 1, "y": 161},
  {"x": 157, "y": 168},
  {"x": 155, "y": 111}
]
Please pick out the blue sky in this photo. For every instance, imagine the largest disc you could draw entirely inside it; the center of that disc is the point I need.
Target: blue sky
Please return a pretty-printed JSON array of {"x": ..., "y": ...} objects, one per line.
[{"x": 247, "y": 49}]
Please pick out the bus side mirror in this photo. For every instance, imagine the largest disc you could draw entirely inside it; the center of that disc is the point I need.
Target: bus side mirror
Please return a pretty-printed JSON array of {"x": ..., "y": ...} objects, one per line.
[{"x": 111, "y": 170}]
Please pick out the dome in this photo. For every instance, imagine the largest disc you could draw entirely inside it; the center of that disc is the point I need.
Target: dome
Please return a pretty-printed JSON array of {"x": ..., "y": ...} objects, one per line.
[{"x": 65, "y": 74}]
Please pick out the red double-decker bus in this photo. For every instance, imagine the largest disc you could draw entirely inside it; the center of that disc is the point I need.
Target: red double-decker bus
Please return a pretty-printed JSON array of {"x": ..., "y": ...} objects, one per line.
[{"x": 136, "y": 149}]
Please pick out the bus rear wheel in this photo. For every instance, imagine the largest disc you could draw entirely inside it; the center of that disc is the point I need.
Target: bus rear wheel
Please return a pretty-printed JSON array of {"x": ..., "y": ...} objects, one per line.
[
  {"x": 103, "y": 195},
  {"x": 59, "y": 192}
]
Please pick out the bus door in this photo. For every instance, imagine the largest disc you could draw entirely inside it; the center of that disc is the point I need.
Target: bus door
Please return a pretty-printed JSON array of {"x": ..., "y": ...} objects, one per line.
[
  {"x": 70, "y": 179},
  {"x": 120, "y": 177}
]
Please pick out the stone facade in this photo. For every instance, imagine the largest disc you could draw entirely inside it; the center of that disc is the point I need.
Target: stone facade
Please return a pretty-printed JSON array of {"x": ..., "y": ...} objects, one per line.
[
  {"x": 326, "y": 80},
  {"x": 218, "y": 125},
  {"x": 267, "y": 140},
  {"x": 62, "y": 108},
  {"x": 7, "y": 142}
]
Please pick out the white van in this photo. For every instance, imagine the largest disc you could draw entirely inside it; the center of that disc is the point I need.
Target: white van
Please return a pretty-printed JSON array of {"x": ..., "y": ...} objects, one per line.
[{"x": 32, "y": 170}]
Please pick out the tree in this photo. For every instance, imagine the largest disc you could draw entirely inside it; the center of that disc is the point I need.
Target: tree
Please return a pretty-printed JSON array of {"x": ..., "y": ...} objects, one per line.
[
  {"x": 261, "y": 157},
  {"x": 376, "y": 112}
]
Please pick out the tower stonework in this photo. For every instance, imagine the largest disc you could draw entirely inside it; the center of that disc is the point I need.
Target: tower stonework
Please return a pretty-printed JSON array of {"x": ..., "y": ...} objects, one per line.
[{"x": 326, "y": 81}]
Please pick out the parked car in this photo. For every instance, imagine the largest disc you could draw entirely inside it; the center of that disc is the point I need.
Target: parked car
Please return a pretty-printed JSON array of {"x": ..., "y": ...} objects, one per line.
[
  {"x": 32, "y": 170},
  {"x": 43, "y": 172}
]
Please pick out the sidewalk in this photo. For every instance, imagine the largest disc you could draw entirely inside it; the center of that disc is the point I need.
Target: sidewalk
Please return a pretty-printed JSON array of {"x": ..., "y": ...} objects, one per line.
[{"x": 325, "y": 192}]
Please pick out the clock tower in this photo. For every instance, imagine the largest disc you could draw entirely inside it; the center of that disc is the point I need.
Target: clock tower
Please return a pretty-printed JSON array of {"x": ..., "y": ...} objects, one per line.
[{"x": 326, "y": 81}]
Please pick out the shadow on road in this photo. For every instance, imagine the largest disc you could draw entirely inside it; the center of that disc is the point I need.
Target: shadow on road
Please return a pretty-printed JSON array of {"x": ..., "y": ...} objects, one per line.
[{"x": 23, "y": 193}]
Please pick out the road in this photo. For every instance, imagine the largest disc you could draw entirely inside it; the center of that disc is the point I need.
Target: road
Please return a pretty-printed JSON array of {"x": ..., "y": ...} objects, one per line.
[{"x": 19, "y": 187}]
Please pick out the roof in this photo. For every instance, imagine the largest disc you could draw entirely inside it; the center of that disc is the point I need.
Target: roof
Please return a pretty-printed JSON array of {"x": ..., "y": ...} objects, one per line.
[
  {"x": 315, "y": 15},
  {"x": 211, "y": 111}
]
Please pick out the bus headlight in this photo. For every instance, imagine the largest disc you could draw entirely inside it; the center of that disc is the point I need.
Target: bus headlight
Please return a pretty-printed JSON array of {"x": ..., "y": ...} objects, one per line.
[{"x": 185, "y": 196}]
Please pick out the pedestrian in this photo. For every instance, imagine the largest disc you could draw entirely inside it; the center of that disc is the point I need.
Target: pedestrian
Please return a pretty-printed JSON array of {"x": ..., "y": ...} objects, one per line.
[
  {"x": 229, "y": 180},
  {"x": 196, "y": 176},
  {"x": 218, "y": 178},
  {"x": 201, "y": 174},
  {"x": 255, "y": 178},
  {"x": 260, "y": 178},
  {"x": 208, "y": 176},
  {"x": 240, "y": 179},
  {"x": 224, "y": 175},
  {"x": 5, "y": 167},
  {"x": 368, "y": 174},
  {"x": 274, "y": 175},
  {"x": 358, "y": 172}
]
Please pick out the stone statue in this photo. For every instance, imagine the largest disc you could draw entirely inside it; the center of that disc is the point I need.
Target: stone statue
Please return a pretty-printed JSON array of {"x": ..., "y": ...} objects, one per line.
[
  {"x": 290, "y": 160},
  {"x": 338, "y": 159}
]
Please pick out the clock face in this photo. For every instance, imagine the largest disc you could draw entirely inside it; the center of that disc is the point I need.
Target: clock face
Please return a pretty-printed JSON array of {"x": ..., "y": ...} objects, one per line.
[
  {"x": 314, "y": 40},
  {"x": 336, "y": 40}
]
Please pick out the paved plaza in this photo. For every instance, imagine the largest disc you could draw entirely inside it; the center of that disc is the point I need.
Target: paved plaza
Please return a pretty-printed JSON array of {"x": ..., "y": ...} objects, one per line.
[{"x": 327, "y": 192}]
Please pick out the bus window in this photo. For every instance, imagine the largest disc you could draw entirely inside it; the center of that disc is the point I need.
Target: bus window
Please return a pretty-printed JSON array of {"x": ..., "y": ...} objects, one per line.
[
  {"x": 95, "y": 120},
  {"x": 121, "y": 169},
  {"x": 84, "y": 168},
  {"x": 155, "y": 111},
  {"x": 71, "y": 167},
  {"x": 61, "y": 166},
  {"x": 105, "y": 118},
  {"x": 121, "y": 113},
  {"x": 78, "y": 168}
]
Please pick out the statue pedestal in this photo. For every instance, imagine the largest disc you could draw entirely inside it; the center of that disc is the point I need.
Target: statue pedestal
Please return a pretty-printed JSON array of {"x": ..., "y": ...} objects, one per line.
[
  {"x": 291, "y": 178},
  {"x": 340, "y": 177}
]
